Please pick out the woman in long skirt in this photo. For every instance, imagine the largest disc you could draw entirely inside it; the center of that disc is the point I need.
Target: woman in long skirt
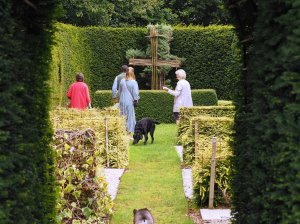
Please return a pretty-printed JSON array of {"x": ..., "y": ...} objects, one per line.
[{"x": 129, "y": 96}]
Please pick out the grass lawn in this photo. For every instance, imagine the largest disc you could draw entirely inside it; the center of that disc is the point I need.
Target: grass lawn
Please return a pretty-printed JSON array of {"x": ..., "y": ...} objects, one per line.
[{"x": 153, "y": 180}]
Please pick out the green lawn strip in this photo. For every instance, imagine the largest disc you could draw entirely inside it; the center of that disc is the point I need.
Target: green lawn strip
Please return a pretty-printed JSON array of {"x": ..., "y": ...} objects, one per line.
[{"x": 153, "y": 180}]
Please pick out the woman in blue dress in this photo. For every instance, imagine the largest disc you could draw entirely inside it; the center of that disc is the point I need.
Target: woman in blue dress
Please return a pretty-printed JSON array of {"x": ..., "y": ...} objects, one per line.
[{"x": 129, "y": 95}]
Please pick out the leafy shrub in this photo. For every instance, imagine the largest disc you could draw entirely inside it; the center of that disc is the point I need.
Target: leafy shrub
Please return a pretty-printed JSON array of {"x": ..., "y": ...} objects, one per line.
[
  {"x": 222, "y": 187},
  {"x": 198, "y": 155},
  {"x": 207, "y": 127},
  {"x": 212, "y": 57},
  {"x": 204, "y": 97},
  {"x": 115, "y": 153},
  {"x": 266, "y": 145},
  {"x": 83, "y": 197}
]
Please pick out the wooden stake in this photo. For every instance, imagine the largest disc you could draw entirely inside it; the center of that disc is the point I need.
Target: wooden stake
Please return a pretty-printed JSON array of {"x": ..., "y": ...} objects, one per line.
[
  {"x": 155, "y": 57},
  {"x": 212, "y": 173},
  {"x": 196, "y": 140},
  {"x": 106, "y": 141}
]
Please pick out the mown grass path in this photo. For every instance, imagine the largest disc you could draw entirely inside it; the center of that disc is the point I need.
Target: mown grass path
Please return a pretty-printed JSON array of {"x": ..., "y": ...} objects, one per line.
[{"x": 153, "y": 180}]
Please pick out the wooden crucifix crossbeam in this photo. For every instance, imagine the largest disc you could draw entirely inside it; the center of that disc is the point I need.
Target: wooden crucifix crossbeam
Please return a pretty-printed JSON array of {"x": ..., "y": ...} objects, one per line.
[
  {"x": 154, "y": 62},
  {"x": 148, "y": 62}
]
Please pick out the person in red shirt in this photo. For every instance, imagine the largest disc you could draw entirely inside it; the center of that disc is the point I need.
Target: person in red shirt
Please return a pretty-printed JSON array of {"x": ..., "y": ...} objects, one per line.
[{"x": 79, "y": 94}]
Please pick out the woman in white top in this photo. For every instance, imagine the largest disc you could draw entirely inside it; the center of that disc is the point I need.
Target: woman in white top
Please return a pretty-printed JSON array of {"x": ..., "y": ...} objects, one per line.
[{"x": 182, "y": 93}]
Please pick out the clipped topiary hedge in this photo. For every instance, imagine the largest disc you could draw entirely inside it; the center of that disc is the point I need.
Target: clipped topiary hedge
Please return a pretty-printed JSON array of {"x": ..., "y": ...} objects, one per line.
[
  {"x": 201, "y": 183},
  {"x": 211, "y": 53},
  {"x": 225, "y": 103},
  {"x": 157, "y": 104},
  {"x": 102, "y": 99},
  {"x": 204, "y": 97}
]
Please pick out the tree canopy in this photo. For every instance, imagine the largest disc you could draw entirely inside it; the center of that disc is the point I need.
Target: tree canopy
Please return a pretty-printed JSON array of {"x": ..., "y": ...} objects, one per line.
[{"x": 120, "y": 13}]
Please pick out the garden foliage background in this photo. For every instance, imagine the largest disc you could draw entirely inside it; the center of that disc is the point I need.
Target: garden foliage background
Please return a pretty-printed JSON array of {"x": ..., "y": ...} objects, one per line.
[{"x": 211, "y": 57}]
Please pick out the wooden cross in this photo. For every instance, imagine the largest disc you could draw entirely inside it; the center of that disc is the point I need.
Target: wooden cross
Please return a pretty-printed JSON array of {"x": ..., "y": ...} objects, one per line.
[{"x": 154, "y": 62}]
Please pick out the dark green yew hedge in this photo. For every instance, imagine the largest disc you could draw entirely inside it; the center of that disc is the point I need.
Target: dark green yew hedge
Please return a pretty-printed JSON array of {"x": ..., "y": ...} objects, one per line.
[
  {"x": 27, "y": 185},
  {"x": 157, "y": 104},
  {"x": 267, "y": 125}
]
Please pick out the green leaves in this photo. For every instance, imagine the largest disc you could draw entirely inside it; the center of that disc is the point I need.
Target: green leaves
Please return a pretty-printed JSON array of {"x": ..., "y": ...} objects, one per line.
[
  {"x": 213, "y": 121},
  {"x": 119, "y": 13},
  {"x": 117, "y": 152},
  {"x": 81, "y": 154},
  {"x": 83, "y": 196},
  {"x": 86, "y": 212},
  {"x": 266, "y": 143},
  {"x": 151, "y": 101},
  {"x": 26, "y": 162},
  {"x": 88, "y": 12}
]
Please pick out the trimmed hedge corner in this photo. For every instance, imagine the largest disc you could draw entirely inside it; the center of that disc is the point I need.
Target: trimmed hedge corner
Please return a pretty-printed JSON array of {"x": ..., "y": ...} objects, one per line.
[{"x": 186, "y": 114}]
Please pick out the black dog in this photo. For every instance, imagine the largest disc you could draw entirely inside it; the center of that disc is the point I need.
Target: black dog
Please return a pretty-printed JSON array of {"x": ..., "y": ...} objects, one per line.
[
  {"x": 143, "y": 127},
  {"x": 142, "y": 216}
]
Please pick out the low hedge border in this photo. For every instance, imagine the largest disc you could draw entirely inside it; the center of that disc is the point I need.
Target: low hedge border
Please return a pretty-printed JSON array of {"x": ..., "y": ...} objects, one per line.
[
  {"x": 207, "y": 127},
  {"x": 200, "y": 158},
  {"x": 157, "y": 104},
  {"x": 118, "y": 143},
  {"x": 186, "y": 115}
]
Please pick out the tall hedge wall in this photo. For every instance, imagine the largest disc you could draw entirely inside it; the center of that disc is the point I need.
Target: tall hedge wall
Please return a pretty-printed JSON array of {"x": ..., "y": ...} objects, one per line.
[
  {"x": 211, "y": 53},
  {"x": 212, "y": 57},
  {"x": 97, "y": 52},
  {"x": 267, "y": 142},
  {"x": 27, "y": 186}
]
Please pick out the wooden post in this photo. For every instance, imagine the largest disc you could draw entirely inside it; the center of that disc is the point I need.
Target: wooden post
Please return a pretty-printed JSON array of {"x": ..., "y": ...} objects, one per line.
[
  {"x": 155, "y": 58},
  {"x": 154, "y": 48},
  {"x": 196, "y": 140},
  {"x": 152, "y": 58},
  {"x": 106, "y": 141},
  {"x": 212, "y": 173}
]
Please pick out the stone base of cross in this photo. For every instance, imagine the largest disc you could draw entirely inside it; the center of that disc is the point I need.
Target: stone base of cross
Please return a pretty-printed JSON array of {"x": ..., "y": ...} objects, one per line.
[{"x": 157, "y": 81}]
